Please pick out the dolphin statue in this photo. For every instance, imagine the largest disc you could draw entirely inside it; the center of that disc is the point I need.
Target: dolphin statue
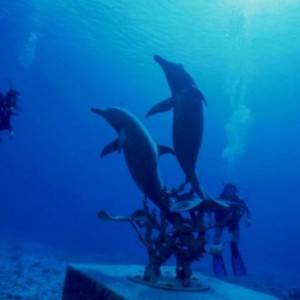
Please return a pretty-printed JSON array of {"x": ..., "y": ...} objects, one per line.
[
  {"x": 140, "y": 152},
  {"x": 187, "y": 104}
]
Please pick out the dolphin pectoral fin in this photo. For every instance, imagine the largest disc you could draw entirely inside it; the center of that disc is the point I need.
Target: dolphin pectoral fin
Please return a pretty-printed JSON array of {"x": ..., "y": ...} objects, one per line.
[
  {"x": 162, "y": 106},
  {"x": 111, "y": 147},
  {"x": 164, "y": 150}
]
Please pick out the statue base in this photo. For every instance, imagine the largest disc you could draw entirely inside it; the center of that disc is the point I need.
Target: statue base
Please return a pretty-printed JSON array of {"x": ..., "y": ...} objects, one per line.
[
  {"x": 168, "y": 282},
  {"x": 116, "y": 282}
]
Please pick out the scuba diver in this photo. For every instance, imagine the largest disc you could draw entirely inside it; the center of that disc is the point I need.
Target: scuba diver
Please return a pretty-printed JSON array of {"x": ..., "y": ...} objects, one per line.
[
  {"x": 230, "y": 218},
  {"x": 8, "y": 107}
]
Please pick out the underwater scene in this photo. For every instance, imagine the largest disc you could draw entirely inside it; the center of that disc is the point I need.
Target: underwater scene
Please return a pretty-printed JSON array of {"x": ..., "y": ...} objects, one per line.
[{"x": 150, "y": 133}]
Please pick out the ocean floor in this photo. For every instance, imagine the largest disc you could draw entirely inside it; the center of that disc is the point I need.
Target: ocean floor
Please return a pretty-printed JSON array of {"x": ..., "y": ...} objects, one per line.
[{"x": 34, "y": 271}]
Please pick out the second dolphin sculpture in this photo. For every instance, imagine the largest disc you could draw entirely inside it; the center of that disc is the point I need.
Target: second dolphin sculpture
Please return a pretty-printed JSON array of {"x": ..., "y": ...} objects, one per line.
[
  {"x": 187, "y": 104},
  {"x": 140, "y": 152}
]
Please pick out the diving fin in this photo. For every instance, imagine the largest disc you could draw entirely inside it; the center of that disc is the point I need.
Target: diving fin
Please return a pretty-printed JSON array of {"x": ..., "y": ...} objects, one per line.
[
  {"x": 238, "y": 266},
  {"x": 219, "y": 265},
  {"x": 162, "y": 106}
]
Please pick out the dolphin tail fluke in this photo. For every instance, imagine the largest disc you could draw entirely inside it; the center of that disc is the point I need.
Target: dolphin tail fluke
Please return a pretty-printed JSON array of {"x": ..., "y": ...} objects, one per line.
[
  {"x": 111, "y": 147},
  {"x": 164, "y": 150},
  {"x": 201, "y": 192},
  {"x": 162, "y": 106},
  {"x": 185, "y": 202}
]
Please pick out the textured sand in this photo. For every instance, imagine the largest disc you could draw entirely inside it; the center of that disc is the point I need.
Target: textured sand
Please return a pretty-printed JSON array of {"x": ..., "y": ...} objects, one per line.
[{"x": 35, "y": 271}]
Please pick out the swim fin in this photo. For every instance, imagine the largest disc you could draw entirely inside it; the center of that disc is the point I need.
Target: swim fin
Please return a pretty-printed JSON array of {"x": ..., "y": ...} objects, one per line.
[
  {"x": 219, "y": 265},
  {"x": 237, "y": 263}
]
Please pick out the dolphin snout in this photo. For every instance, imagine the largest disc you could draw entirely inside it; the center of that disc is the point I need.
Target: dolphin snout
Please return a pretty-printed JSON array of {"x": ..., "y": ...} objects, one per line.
[
  {"x": 158, "y": 58},
  {"x": 98, "y": 111},
  {"x": 165, "y": 64}
]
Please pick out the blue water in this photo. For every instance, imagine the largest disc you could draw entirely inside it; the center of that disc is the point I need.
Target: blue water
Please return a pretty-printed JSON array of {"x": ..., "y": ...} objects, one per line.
[{"x": 67, "y": 56}]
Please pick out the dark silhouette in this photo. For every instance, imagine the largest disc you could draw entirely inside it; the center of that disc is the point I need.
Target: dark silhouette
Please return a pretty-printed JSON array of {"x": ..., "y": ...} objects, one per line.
[
  {"x": 8, "y": 107},
  {"x": 230, "y": 218}
]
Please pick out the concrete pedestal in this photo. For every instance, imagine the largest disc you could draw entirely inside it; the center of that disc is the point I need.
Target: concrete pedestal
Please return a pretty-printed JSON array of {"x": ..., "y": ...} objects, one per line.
[{"x": 111, "y": 282}]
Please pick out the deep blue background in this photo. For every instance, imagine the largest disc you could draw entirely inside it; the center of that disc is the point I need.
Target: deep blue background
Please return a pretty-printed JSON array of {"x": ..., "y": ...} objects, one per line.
[{"x": 66, "y": 57}]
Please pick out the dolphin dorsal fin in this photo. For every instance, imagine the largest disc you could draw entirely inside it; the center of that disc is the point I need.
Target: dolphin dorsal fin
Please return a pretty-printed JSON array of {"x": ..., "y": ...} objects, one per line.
[
  {"x": 162, "y": 106},
  {"x": 200, "y": 94},
  {"x": 111, "y": 147},
  {"x": 164, "y": 150}
]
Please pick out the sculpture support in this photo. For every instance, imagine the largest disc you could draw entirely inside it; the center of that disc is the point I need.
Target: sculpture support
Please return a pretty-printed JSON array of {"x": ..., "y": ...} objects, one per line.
[{"x": 184, "y": 238}]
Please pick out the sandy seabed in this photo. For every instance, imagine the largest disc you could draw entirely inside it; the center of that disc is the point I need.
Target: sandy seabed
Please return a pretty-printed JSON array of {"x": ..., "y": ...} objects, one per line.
[{"x": 35, "y": 271}]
